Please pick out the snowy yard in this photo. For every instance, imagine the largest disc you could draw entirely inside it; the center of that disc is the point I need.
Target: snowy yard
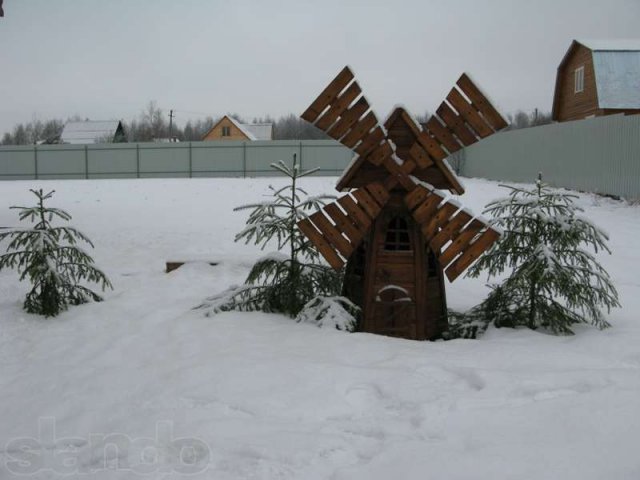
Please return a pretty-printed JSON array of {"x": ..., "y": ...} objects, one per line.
[{"x": 262, "y": 397}]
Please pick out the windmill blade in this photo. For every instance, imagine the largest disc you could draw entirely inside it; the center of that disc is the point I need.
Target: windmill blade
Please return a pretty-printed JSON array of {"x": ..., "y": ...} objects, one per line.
[
  {"x": 338, "y": 228},
  {"x": 453, "y": 234},
  {"x": 463, "y": 118},
  {"x": 343, "y": 113}
]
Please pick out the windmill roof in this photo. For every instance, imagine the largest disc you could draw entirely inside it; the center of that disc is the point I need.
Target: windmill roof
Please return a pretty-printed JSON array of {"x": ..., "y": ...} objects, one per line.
[
  {"x": 89, "y": 131},
  {"x": 360, "y": 167}
]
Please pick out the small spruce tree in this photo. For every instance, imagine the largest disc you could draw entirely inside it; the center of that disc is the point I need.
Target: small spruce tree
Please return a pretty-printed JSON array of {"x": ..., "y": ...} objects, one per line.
[
  {"x": 51, "y": 260},
  {"x": 281, "y": 282},
  {"x": 555, "y": 282}
]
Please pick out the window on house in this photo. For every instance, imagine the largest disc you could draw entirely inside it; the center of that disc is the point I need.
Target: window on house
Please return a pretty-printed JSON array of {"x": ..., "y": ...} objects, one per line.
[
  {"x": 226, "y": 131},
  {"x": 579, "y": 79},
  {"x": 397, "y": 237}
]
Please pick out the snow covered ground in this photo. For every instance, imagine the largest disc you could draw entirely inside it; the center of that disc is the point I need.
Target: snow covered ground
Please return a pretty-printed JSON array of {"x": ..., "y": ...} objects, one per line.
[{"x": 122, "y": 387}]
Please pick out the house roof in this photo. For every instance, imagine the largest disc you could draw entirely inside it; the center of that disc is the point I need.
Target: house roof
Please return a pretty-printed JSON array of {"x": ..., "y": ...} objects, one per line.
[
  {"x": 262, "y": 131},
  {"x": 616, "y": 63},
  {"x": 617, "y": 67},
  {"x": 241, "y": 126},
  {"x": 88, "y": 131},
  {"x": 612, "y": 44}
]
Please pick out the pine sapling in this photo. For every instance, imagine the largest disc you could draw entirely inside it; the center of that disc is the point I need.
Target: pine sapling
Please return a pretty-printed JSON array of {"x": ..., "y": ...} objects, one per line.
[
  {"x": 50, "y": 258},
  {"x": 281, "y": 282},
  {"x": 555, "y": 281}
]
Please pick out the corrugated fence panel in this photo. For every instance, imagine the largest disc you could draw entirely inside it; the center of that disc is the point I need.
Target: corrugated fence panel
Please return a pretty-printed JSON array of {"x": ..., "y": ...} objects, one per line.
[
  {"x": 600, "y": 155},
  {"x": 17, "y": 162},
  {"x": 226, "y": 160},
  {"x": 114, "y": 160},
  {"x": 66, "y": 162},
  {"x": 332, "y": 158},
  {"x": 165, "y": 160},
  {"x": 261, "y": 154},
  {"x": 159, "y": 160}
]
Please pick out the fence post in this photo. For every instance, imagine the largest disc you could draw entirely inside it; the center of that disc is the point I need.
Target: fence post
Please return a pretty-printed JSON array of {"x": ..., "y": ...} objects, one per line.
[
  {"x": 137, "y": 160},
  {"x": 300, "y": 150},
  {"x": 244, "y": 159},
  {"x": 35, "y": 159},
  {"x": 190, "y": 162},
  {"x": 86, "y": 161}
]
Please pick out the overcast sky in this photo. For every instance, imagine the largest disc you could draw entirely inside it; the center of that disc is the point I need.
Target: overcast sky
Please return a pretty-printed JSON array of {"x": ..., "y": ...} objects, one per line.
[{"x": 107, "y": 59}]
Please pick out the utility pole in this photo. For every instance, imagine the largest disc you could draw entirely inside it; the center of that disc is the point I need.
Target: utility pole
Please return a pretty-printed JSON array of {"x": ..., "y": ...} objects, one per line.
[{"x": 170, "y": 124}]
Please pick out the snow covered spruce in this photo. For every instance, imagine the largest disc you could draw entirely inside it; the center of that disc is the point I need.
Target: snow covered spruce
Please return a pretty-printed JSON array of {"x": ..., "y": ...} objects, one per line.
[
  {"x": 554, "y": 281},
  {"x": 294, "y": 283},
  {"x": 50, "y": 259}
]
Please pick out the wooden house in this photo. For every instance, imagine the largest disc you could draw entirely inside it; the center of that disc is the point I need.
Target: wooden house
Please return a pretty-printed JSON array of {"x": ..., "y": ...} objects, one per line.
[
  {"x": 598, "y": 78},
  {"x": 228, "y": 128}
]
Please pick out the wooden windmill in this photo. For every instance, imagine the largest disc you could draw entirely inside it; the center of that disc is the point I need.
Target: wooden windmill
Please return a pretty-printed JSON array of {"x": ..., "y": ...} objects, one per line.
[{"x": 396, "y": 232}]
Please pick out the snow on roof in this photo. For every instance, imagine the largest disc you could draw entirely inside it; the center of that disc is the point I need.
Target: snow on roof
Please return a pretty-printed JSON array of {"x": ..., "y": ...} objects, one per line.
[
  {"x": 615, "y": 44},
  {"x": 262, "y": 131},
  {"x": 617, "y": 78},
  {"x": 242, "y": 127},
  {"x": 88, "y": 131}
]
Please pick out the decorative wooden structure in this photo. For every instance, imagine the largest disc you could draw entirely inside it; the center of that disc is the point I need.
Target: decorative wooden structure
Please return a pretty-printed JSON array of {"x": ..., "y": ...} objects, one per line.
[{"x": 395, "y": 231}]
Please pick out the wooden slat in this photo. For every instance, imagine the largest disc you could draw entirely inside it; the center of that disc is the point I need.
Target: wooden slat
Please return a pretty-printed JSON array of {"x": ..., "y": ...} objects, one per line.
[
  {"x": 442, "y": 135},
  {"x": 379, "y": 154},
  {"x": 359, "y": 130},
  {"x": 408, "y": 166},
  {"x": 481, "y": 103},
  {"x": 424, "y": 212},
  {"x": 416, "y": 197},
  {"x": 442, "y": 215},
  {"x": 378, "y": 192},
  {"x": 469, "y": 113},
  {"x": 420, "y": 156},
  {"x": 328, "y": 95},
  {"x": 331, "y": 233},
  {"x": 338, "y": 106},
  {"x": 348, "y": 119},
  {"x": 356, "y": 214},
  {"x": 482, "y": 243},
  {"x": 399, "y": 174},
  {"x": 321, "y": 244},
  {"x": 460, "y": 242},
  {"x": 368, "y": 204},
  {"x": 432, "y": 147},
  {"x": 454, "y": 225},
  {"x": 451, "y": 177},
  {"x": 344, "y": 223},
  {"x": 371, "y": 141},
  {"x": 455, "y": 124}
]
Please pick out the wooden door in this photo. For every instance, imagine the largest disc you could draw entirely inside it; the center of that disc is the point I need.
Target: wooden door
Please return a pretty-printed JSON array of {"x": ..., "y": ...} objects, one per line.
[{"x": 390, "y": 285}]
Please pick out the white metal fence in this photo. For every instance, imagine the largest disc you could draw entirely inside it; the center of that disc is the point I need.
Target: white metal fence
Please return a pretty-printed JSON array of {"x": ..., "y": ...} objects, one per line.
[
  {"x": 599, "y": 155},
  {"x": 187, "y": 159}
]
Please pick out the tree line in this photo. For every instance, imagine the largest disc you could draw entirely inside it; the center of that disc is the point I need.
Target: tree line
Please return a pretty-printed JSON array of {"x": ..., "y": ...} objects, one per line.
[{"x": 153, "y": 123}]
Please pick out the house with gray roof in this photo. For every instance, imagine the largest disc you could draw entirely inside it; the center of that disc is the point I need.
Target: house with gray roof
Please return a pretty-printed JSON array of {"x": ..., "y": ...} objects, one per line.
[
  {"x": 598, "y": 77},
  {"x": 91, "y": 131}
]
